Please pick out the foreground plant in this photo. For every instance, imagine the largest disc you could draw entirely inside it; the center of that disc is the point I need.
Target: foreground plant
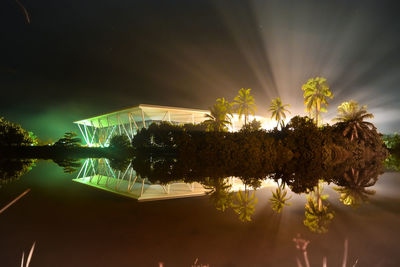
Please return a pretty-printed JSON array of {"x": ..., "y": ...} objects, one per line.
[
  {"x": 28, "y": 259},
  {"x": 301, "y": 245}
]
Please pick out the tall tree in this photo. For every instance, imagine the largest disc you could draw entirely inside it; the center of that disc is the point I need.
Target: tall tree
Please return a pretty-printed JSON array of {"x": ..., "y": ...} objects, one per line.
[
  {"x": 352, "y": 116},
  {"x": 245, "y": 104},
  {"x": 278, "y": 111},
  {"x": 70, "y": 139},
  {"x": 316, "y": 93}
]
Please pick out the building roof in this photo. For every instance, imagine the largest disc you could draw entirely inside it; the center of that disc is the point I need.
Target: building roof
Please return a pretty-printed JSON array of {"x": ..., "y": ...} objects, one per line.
[{"x": 146, "y": 112}]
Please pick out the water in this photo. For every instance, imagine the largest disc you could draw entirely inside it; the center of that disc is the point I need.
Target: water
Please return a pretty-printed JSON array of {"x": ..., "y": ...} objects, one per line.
[{"x": 74, "y": 224}]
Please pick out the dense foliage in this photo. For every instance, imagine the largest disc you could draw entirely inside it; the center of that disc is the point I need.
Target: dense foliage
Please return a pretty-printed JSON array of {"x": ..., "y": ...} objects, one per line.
[
  {"x": 120, "y": 142},
  {"x": 12, "y": 134}
]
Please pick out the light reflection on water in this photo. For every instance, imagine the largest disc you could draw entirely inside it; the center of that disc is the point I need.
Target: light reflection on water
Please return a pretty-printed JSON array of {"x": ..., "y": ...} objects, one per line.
[{"x": 89, "y": 227}]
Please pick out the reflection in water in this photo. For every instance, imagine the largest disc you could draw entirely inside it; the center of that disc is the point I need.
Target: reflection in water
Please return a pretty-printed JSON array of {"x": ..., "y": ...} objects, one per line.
[
  {"x": 245, "y": 205},
  {"x": 127, "y": 182},
  {"x": 279, "y": 199},
  {"x": 354, "y": 192},
  {"x": 318, "y": 213},
  {"x": 12, "y": 169},
  {"x": 68, "y": 165},
  {"x": 300, "y": 176},
  {"x": 166, "y": 178},
  {"x": 219, "y": 192}
]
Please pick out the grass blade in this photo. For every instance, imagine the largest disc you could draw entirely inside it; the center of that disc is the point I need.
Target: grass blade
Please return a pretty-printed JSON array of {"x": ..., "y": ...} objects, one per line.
[{"x": 15, "y": 200}]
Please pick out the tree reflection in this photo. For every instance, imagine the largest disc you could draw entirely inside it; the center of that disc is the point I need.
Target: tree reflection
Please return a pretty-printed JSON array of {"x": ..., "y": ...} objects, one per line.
[
  {"x": 68, "y": 165},
  {"x": 245, "y": 204},
  {"x": 301, "y": 175},
  {"x": 279, "y": 199},
  {"x": 12, "y": 169},
  {"x": 318, "y": 215},
  {"x": 354, "y": 192},
  {"x": 219, "y": 192}
]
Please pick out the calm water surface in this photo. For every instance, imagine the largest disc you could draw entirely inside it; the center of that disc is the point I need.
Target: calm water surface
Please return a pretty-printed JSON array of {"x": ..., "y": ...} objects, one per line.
[{"x": 77, "y": 225}]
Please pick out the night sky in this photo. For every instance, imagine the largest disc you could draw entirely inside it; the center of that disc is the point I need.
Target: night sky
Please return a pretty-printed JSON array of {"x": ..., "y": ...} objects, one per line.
[{"x": 80, "y": 58}]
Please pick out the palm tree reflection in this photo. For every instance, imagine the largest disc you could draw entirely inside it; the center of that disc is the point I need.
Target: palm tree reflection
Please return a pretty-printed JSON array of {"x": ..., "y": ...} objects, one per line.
[
  {"x": 318, "y": 215},
  {"x": 245, "y": 204},
  {"x": 354, "y": 192},
  {"x": 219, "y": 192},
  {"x": 279, "y": 199}
]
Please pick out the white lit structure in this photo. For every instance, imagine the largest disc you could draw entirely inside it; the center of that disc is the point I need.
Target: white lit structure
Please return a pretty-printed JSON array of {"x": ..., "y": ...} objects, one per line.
[{"x": 98, "y": 130}]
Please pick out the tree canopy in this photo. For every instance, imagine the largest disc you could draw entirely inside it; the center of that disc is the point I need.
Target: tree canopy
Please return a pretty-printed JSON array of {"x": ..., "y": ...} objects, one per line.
[
  {"x": 351, "y": 115},
  {"x": 316, "y": 94},
  {"x": 244, "y": 104},
  {"x": 278, "y": 111},
  {"x": 12, "y": 134}
]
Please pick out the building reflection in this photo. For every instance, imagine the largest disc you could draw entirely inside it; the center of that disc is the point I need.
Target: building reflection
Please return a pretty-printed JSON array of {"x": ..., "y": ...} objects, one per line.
[{"x": 100, "y": 174}]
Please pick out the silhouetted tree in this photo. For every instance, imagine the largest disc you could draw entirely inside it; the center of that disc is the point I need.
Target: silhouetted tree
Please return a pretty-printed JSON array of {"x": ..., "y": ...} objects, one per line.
[{"x": 69, "y": 140}]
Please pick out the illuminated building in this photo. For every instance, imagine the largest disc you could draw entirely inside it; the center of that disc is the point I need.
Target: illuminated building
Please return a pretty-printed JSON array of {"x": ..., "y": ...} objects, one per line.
[{"x": 98, "y": 130}]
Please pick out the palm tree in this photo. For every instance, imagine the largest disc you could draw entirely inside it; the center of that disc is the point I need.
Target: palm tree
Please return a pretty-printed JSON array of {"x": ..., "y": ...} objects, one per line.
[
  {"x": 279, "y": 199},
  {"x": 226, "y": 106},
  {"x": 245, "y": 104},
  {"x": 218, "y": 119},
  {"x": 318, "y": 216},
  {"x": 354, "y": 193},
  {"x": 278, "y": 111},
  {"x": 316, "y": 92},
  {"x": 219, "y": 192},
  {"x": 352, "y": 116},
  {"x": 245, "y": 206}
]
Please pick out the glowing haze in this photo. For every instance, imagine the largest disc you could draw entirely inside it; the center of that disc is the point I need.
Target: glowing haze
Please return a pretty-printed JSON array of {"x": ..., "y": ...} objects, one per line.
[{"x": 77, "y": 59}]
